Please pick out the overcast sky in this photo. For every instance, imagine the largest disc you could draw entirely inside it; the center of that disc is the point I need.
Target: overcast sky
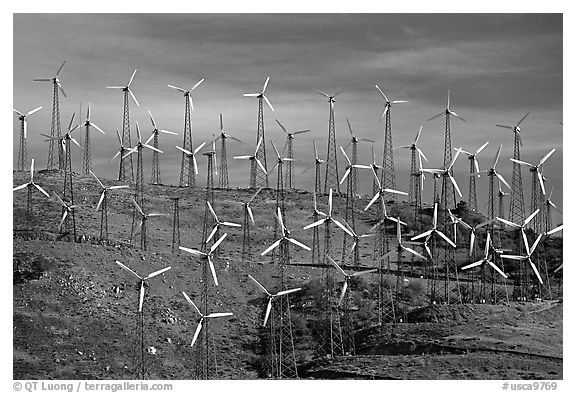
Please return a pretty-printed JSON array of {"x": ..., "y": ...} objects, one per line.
[{"x": 498, "y": 67}]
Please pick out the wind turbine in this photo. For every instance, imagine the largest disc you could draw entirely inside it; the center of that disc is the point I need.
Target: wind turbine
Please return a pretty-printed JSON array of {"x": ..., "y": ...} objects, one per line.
[
  {"x": 126, "y": 138},
  {"x": 416, "y": 152},
  {"x": 522, "y": 226},
  {"x": 474, "y": 169},
  {"x": 516, "y": 213},
  {"x": 64, "y": 140},
  {"x": 347, "y": 278},
  {"x": 223, "y": 155},
  {"x": 187, "y": 143},
  {"x": 285, "y": 236},
  {"x": 375, "y": 168},
  {"x": 549, "y": 204},
  {"x": 354, "y": 247},
  {"x": 218, "y": 223},
  {"x": 331, "y": 178},
  {"x": 537, "y": 177},
  {"x": 350, "y": 168},
  {"x": 279, "y": 183},
  {"x": 472, "y": 230},
  {"x": 317, "y": 164},
  {"x": 55, "y": 125},
  {"x": 290, "y": 145},
  {"x": 447, "y": 191},
  {"x": 271, "y": 297},
  {"x": 260, "y": 154},
  {"x": 492, "y": 173},
  {"x": 328, "y": 218},
  {"x": 87, "y": 150},
  {"x": 253, "y": 161},
  {"x": 486, "y": 259},
  {"x": 428, "y": 234},
  {"x": 67, "y": 211},
  {"x": 191, "y": 155},
  {"x": 316, "y": 236},
  {"x": 155, "y": 158},
  {"x": 354, "y": 142},
  {"x": 23, "y": 148},
  {"x": 139, "y": 162},
  {"x": 203, "y": 317},
  {"x": 142, "y": 224},
  {"x": 381, "y": 192},
  {"x": 501, "y": 195},
  {"x": 528, "y": 256},
  {"x": 446, "y": 172},
  {"x": 103, "y": 201},
  {"x": 388, "y": 177},
  {"x": 207, "y": 256},
  {"x": 248, "y": 216},
  {"x": 141, "y": 304},
  {"x": 29, "y": 186}
]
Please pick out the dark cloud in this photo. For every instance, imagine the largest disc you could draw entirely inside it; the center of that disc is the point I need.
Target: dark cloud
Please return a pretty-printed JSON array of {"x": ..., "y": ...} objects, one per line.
[{"x": 498, "y": 67}]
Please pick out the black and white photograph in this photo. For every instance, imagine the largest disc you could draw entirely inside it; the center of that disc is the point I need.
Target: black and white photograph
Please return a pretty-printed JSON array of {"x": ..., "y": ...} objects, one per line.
[{"x": 265, "y": 195}]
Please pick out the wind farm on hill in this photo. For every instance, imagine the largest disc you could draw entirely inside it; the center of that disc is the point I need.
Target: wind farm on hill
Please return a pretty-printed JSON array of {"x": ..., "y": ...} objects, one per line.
[{"x": 130, "y": 277}]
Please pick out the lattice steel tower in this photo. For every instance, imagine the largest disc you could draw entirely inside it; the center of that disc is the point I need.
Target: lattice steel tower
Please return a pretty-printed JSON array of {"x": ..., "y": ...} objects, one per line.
[
  {"x": 474, "y": 172},
  {"x": 331, "y": 177},
  {"x": 22, "y": 146},
  {"x": 155, "y": 157},
  {"x": 448, "y": 188},
  {"x": 516, "y": 213},
  {"x": 126, "y": 138},
  {"x": 87, "y": 147},
  {"x": 223, "y": 181},
  {"x": 186, "y": 164},
  {"x": 329, "y": 329},
  {"x": 208, "y": 218},
  {"x": 290, "y": 145},
  {"x": 388, "y": 177},
  {"x": 55, "y": 130},
  {"x": 68, "y": 191},
  {"x": 261, "y": 179}
]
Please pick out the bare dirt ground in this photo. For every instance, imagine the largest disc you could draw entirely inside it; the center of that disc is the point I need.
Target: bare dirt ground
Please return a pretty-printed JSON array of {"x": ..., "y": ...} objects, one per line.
[{"x": 75, "y": 317}]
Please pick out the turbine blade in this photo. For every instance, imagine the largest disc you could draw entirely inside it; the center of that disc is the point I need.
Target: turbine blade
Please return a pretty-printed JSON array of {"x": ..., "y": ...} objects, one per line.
[
  {"x": 128, "y": 269},
  {"x": 343, "y": 293},
  {"x": 372, "y": 201},
  {"x": 141, "y": 303},
  {"x": 158, "y": 272},
  {"x": 101, "y": 199},
  {"x": 536, "y": 271},
  {"x": 259, "y": 285},
  {"x": 268, "y": 309},
  {"x": 315, "y": 224},
  {"x": 197, "y": 84},
  {"x": 133, "y": 97},
  {"x": 473, "y": 264},
  {"x": 191, "y": 303},
  {"x": 42, "y": 190},
  {"x": 192, "y": 251},
  {"x": 422, "y": 235},
  {"x": 497, "y": 269},
  {"x": 273, "y": 246},
  {"x": 268, "y": 102},
  {"x": 531, "y": 216},
  {"x": 443, "y": 236},
  {"x": 542, "y": 161},
  {"x": 213, "y": 270},
  {"x": 197, "y": 332},
  {"x": 177, "y": 88}
]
